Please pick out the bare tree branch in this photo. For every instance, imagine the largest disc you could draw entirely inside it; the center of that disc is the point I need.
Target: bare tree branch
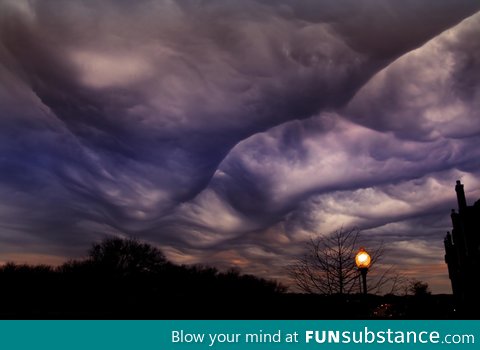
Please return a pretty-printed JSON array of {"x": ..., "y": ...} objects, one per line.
[{"x": 328, "y": 266}]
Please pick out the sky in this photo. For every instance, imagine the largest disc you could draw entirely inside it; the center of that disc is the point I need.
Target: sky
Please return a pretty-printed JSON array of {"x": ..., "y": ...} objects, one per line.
[{"x": 230, "y": 132}]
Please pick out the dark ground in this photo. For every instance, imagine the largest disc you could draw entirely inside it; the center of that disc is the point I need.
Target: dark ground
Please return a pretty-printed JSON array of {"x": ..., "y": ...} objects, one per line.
[
  {"x": 127, "y": 279},
  {"x": 280, "y": 306}
]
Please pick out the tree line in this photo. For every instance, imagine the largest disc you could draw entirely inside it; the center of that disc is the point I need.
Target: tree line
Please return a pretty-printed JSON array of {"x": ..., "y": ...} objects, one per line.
[
  {"x": 126, "y": 278},
  {"x": 123, "y": 275}
]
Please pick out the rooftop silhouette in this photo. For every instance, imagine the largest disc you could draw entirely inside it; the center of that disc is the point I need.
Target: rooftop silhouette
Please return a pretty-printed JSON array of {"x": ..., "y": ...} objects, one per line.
[{"x": 462, "y": 254}]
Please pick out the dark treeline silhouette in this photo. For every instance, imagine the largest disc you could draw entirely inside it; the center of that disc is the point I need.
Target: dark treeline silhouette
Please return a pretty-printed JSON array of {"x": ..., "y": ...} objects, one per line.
[{"x": 127, "y": 279}]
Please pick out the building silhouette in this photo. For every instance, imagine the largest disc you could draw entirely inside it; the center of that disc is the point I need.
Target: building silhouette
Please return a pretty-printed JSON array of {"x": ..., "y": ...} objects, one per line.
[{"x": 462, "y": 255}]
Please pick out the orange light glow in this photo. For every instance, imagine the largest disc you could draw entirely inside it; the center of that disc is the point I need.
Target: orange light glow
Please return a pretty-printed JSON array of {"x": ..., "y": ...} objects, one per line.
[{"x": 362, "y": 259}]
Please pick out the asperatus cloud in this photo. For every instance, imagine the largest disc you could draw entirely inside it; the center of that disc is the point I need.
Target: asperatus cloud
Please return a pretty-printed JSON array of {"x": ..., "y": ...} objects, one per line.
[{"x": 230, "y": 132}]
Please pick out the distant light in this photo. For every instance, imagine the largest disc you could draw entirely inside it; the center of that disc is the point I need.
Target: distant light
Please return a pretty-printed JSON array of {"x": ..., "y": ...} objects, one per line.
[{"x": 363, "y": 259}]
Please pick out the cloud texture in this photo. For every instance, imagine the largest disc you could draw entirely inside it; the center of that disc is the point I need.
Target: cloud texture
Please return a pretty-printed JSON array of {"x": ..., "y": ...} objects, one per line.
[{"x": 228, "y": 132}]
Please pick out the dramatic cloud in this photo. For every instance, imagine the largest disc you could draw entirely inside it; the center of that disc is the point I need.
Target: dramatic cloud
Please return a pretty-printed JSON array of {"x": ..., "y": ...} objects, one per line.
[{"x": 229, "y": 132}]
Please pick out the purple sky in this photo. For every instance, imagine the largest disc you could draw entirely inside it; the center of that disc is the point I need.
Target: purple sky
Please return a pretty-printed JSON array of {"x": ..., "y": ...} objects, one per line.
[{"x": 229, "y": 132}]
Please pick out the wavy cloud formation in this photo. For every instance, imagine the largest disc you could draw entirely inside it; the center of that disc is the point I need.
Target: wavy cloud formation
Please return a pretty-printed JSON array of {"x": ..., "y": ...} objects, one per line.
[{"x": 229, "y": 132}]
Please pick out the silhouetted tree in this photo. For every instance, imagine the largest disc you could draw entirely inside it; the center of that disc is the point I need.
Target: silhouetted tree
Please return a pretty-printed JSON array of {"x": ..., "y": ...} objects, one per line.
[
  {"x": 126, "y": 257},
  {"x": 419, "y": 288},
  {"x": 126, "y": 278},
  {"x": 328, "y": 265},
  {"x": 236, "y": 283}
]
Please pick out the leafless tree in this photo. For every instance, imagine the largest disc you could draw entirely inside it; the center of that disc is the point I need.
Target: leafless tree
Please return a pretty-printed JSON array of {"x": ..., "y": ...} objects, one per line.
[
  {"x": 328, "y": 266},
  {"x": 125, "y": 257}
]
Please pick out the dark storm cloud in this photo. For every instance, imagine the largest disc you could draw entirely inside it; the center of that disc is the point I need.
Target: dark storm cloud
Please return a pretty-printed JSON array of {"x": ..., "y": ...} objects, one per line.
[
  {"x": 155, "y": 118},
  {"x": 428, "y": 94},
  {"x": 389, "y": 185}
]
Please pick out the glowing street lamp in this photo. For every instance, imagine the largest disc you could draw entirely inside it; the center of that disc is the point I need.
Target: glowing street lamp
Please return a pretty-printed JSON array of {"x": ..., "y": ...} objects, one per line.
[{"x": 363, "y": 261}]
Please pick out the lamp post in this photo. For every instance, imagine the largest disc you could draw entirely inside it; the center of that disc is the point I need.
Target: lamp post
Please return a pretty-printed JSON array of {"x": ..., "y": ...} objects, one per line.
[{"x": 363, "y": 261}]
